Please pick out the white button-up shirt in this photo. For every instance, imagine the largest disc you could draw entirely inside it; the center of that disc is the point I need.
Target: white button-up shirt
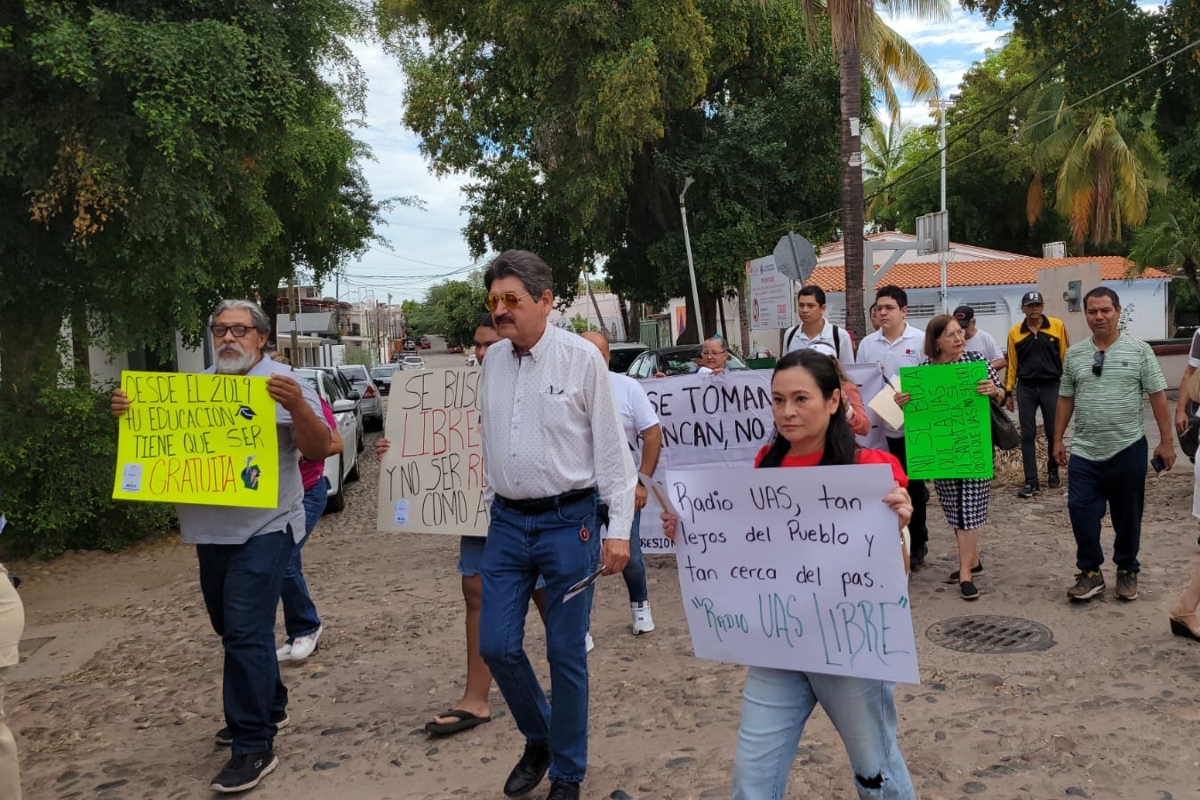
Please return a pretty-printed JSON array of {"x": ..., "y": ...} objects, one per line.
[
  {"x": 907, "y": 351},
  {"x": 550, "y": 426}
]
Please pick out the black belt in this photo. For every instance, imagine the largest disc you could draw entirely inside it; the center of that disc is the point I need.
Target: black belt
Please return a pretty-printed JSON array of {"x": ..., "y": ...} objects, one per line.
[{"x": 540, "y": 505}]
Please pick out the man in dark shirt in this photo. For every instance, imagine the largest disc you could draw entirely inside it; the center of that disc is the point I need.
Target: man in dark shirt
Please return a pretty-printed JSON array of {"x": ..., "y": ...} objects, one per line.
[{"x": 1036, "y": 348}]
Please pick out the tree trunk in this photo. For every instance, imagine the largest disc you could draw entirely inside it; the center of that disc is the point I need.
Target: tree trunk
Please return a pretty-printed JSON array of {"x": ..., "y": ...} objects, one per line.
[
  {"x": 744, "y": 319},
  {"x": 850, "y": 68},
  {"x": 631, "y": 319}
]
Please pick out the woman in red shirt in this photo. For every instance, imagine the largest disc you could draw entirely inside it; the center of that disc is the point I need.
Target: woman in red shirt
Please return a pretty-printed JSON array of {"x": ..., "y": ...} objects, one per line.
[{"x": 811, "y": 429}]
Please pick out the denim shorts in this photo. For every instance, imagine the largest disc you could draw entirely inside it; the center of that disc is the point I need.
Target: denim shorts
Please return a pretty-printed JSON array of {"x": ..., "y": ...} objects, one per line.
[{"x": 470, "y": 558}]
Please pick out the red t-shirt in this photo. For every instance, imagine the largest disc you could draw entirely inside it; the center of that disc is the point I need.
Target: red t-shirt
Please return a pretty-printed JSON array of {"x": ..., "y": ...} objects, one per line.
[{"x": 865, "y": 456}]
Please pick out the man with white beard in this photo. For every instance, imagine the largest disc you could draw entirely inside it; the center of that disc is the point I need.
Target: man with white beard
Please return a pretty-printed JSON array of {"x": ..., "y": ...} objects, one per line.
[{"x": 244, "y": 552}]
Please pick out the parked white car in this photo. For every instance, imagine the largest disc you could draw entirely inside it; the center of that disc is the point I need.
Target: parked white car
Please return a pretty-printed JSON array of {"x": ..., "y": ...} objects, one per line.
[
  {"x": 471, "y": 360},
  {"x": 340, "y": 468},
  {"x": 412, "y": 362}
]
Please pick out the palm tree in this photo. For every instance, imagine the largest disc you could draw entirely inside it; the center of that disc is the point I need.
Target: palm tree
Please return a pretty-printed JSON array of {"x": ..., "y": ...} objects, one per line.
[
  {"x": 883, "y": 152},
  {"x": 1104, "y": 167},
  {"x": 852, "y": 24},
  {"x": 1171, "y": 240}
]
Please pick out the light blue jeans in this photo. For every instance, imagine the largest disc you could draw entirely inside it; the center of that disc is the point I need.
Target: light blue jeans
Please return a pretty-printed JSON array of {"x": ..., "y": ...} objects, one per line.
[{"x": 775, "y": 705}]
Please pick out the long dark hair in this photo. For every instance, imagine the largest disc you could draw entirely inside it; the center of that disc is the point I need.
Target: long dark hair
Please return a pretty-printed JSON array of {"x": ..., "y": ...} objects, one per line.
[{"x": 840, "y": 447}]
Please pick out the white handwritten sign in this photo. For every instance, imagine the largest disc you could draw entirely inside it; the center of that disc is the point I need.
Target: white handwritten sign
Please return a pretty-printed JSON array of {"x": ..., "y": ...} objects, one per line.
[
  {"x": 431, "y": 479},
  {"x": 795, "y": 569}
]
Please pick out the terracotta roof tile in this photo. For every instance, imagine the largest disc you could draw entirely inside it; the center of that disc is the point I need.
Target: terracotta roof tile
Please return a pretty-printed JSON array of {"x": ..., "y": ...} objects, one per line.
[{"x": 927, "y": 275}]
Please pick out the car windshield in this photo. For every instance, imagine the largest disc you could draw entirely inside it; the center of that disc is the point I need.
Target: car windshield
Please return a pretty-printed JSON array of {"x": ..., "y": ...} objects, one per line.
[
  {"x": 620, "y": 360},
  {"x": 382, "y": 372}
]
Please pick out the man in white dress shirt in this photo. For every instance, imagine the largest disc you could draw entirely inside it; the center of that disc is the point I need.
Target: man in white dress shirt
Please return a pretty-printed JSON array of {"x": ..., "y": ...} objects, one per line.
[
  {"x": 897, "y": 344},
  {"x": 549, "y": 421},
  {"x": 815, "y": 330}
]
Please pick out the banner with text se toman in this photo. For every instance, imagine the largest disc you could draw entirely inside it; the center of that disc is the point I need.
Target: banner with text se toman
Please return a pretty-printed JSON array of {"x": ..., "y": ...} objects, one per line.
[
  {"x": 797, "y": 569},
  {"x": 198, "y": 438},
  {"x": 431, "y": 478}
]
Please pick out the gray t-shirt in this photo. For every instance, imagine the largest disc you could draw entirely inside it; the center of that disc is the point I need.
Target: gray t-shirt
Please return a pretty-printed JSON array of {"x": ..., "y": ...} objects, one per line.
[{"x": 229, "y": 525}]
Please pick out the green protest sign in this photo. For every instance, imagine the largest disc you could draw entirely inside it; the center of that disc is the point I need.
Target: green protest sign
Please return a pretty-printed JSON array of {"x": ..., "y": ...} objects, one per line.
[{"x": 947, "y": 424}]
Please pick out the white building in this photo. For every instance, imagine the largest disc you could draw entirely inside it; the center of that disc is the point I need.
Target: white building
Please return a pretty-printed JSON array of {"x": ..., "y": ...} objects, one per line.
[{"x": 992, "y": 282}]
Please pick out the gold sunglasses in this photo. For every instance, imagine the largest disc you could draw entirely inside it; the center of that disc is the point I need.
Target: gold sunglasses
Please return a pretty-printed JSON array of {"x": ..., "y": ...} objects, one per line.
[{"x": 510, "y": 299}]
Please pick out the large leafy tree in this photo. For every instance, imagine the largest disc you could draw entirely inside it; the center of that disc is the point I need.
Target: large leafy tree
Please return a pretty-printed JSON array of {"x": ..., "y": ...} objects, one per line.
[
  {"x": 155, "y": 156},
  {"x": 566, "y": 118},
  {"x": 1171, "y": 239}
]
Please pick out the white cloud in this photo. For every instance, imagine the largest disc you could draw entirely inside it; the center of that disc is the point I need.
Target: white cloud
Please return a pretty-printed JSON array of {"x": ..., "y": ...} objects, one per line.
[
  {"x": 964, "y": 33},
  {"x": 433, "y": 236}
]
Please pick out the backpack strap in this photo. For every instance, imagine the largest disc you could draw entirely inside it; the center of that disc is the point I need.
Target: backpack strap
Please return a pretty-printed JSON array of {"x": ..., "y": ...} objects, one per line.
[{"x": 787, "y": 342}]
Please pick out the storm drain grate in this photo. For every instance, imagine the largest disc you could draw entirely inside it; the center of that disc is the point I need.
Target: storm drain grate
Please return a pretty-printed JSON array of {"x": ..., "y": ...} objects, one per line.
[{"x": 990, "y": 634}]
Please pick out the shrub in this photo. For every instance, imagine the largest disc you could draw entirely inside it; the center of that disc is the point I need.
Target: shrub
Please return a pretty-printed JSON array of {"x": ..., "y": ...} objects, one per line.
[{"x": 58, "y": 455}]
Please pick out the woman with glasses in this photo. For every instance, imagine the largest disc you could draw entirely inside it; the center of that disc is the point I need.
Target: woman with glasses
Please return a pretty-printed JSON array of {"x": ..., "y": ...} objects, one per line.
[
  {"x": 713, "y": 356},
  {"x": 964, "y": 500}
]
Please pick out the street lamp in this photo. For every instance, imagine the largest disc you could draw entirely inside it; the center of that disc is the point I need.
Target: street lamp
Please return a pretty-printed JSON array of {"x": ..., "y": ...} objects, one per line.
[{"x": 687, "y": 243}]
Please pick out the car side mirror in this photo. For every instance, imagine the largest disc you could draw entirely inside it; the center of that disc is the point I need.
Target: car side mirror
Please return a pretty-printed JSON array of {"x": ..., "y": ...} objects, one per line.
[
  {"x": 342, "y": 406},
  {"x": 353, "y": 396}
]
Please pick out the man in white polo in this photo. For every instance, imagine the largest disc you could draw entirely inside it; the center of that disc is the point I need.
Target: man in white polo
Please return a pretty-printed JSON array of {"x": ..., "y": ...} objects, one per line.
[
  {"x": 897, "y": 344},
  {"x": 815, "y": 330}
]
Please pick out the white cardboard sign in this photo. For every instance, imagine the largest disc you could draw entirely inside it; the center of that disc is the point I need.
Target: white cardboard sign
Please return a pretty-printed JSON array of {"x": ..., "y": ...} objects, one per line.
[
  {"x": 797, "y": 569},
  {"x": 431, "y": 479}
]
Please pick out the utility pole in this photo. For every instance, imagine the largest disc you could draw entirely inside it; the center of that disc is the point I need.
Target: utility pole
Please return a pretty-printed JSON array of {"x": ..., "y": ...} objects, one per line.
[
  {"x": 687, "y": 243},
  {"x": 293, "y": 298}
]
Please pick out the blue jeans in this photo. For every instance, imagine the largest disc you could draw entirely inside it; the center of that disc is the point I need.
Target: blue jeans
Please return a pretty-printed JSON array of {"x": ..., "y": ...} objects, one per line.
[
  {"x": 299, "y": 612},
  {"x": 1121, "y": 483},
  {"x": 241, "y": 585},
  {"x": 519, "y": 547},
  {"x": 635, "y": 571},
  {"x": 775, "y": 705}
]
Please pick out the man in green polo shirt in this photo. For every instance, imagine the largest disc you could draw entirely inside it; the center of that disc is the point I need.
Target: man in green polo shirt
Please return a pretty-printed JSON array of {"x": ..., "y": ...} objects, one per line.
[{"x": 1102, "y": 383}]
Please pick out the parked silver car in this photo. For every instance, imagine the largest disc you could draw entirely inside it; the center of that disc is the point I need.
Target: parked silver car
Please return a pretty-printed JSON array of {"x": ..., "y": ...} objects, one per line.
[{"x": 370, "y": 400}]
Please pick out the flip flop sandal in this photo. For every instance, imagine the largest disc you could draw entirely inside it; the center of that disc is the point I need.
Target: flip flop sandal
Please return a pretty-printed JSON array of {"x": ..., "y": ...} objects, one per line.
[{"x": 463, "y": 721}]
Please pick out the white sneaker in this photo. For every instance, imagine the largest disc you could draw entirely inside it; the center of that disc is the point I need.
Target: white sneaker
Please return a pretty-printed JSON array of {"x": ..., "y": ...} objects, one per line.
[
  {"x": 284, "y": 653},
  {"x": 588, "y": 644},
  {"x": 642, "y": 621},
  {"x": 304, "y": 646}
]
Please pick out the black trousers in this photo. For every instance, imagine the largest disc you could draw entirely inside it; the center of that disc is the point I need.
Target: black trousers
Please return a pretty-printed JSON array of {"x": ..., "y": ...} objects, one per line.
[
  {"x": 1029, "y": 400},
  {"x": 919, "y": 492}
]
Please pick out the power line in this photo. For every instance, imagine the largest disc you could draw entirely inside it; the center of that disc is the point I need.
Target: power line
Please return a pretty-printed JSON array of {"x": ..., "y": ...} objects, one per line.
[
  {"x": 910, "y": 176},
  {"x": 1071, "y": 107}
]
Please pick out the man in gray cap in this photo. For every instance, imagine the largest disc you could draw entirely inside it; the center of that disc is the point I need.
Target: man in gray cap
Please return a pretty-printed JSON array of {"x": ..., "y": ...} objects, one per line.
[{"x": 1037, "y": 348}]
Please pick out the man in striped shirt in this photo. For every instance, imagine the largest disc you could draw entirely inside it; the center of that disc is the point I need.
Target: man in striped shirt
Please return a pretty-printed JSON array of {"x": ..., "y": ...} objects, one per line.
[{"x": 1102, "y": 384}]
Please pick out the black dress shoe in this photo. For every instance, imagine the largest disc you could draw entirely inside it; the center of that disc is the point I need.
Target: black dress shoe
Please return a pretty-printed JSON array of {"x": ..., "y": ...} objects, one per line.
[
  {"x": 917, "y": 557},
  {"x": 529, "y": 771},
  {"x": 561, "y": 790}
]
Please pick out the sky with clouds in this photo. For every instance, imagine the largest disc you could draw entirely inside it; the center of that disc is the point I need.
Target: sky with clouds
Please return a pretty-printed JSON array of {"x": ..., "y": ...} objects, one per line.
[{"x": 426, "y": 246}]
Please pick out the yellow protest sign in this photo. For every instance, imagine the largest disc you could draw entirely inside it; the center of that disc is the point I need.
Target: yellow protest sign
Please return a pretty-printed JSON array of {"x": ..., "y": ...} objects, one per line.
[{"x": 196, "y": 438}]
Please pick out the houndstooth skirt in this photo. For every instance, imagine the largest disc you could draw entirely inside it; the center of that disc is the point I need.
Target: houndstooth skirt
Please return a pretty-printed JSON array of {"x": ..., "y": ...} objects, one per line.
[{"x": 964, "y": 501}]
